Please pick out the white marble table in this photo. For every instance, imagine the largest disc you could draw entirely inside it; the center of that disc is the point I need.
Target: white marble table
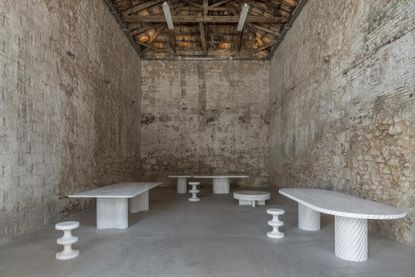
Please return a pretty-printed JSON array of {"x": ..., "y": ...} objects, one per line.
[
  {"x": 181, "y": 182},
  {"x": 251, "y": 197},
  {"x": 114, "y": 202},
  {"x": 221, "y": 183},
  {"x": 351, "y": 215}
]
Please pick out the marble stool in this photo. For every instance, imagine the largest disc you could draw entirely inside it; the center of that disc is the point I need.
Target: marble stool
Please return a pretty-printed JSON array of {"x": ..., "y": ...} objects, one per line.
[
  {"x": 275, "y": 223},
  {"x": 67, "y": 240},
  {"x": 194, "y": 191}
]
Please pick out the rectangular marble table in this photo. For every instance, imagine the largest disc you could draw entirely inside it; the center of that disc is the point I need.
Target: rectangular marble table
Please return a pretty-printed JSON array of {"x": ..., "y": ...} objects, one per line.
[
  {"x": 350, "y": 222},
  {"x": 114, "y": 202},
  {"x": 221, "y": 183}
]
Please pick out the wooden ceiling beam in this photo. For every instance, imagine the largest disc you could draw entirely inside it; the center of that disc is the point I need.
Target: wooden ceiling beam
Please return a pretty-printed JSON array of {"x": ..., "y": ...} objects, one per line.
[
  {"x": 143, "y": 6},
  {"x": 205, "y": 7},
  {"x": 203, "y": 37},
  {"x": 207, "y": 19},
  {"x": 193, "y": 4},
  {"x": 264, "y": 29},
  {"x": 218, "y": 4},
  {"x": 150, "y": 44},
  {"x": 137, "y": 31}
]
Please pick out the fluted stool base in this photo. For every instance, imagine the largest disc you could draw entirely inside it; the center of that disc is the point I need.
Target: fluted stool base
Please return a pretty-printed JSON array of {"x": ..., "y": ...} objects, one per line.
[
  {"x": 308, "y": 219},
  {"x": 350, "y": 238}
]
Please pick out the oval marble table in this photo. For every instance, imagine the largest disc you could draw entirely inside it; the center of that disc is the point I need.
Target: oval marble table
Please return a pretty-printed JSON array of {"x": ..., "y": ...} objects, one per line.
[{"x": 351, "y": 215}]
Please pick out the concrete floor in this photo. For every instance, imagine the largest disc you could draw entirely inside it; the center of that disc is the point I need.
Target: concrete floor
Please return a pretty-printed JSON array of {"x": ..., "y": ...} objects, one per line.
[{"x": 214, "y": 237}]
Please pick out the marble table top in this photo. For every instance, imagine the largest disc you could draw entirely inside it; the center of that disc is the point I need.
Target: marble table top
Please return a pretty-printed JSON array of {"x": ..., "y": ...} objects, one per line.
[
  {"x": 120, "y": 190},
  {"x": 180, "y": 176},
  {"x": 220, "y": 176},
  {"x": 340, "y": 204}
]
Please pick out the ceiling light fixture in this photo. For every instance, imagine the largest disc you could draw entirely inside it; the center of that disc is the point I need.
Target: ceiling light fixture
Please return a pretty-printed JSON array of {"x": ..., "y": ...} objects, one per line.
[
  {"x": 167, "y": 15},
  {"x": 242, "y": 18}
]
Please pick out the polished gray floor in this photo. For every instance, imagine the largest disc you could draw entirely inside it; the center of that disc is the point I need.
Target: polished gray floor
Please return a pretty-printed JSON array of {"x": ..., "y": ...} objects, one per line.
[{"x": 214, "y": 237}]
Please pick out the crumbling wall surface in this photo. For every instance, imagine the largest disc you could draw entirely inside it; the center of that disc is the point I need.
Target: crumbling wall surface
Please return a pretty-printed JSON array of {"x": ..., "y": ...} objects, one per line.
[
  {"x": 205, "y": 117},
  {"x": 69, "y": 108},
  {"x": 343, "y": 104}
]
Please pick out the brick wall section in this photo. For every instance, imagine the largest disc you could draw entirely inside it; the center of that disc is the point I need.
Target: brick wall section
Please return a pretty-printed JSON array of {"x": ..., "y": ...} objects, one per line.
[
  {"x": 69, "y": 108},
  {"x": 205, "y": 117},
  {"x": 343, "y": 104}
]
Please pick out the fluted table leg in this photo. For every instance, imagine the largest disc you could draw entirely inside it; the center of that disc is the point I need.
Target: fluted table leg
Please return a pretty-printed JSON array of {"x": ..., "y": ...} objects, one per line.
[
  {"x": 139, "y": 203},
  {"x": 350, "y": 238},
  {"x": 221, "y": 185},
  {"x": 308, "y": 219},
  {"x": 112, "y": 213},
  {"x": 181, "y": 185}
]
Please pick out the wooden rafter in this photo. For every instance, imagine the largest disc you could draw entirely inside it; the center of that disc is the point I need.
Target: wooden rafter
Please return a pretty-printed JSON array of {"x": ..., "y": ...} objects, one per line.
[
  {"x": 207, "y": 19},
  {"x": 203, "y": 36},
  {"x": 218, "y": 4},
  {"x": 206, "y": 27},
  {"x": 142, "y": 6}
]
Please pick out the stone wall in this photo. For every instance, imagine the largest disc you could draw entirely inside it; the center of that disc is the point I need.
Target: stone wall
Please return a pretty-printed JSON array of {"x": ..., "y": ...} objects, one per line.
[
  {"x": 205, "y": 117},
  {"x": 343, "y": 104},
  {"x": 69, "y": 108}
]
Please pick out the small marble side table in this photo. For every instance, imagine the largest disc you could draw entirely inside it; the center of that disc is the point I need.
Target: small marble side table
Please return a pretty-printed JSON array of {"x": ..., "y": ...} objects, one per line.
[
  {"x": 275, "y": 223},
  {"x": 67, "y": 240},
  {"x": 248, "y": 197},
  {"x": 194, "y": 191}
]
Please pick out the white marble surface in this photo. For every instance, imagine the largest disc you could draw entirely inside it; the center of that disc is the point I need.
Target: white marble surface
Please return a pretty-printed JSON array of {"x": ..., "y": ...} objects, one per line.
[
  {"x": 120, "y": 190},
  {"x": 251, "y": 195},
  {"x": 67, "y": 240},
  {"x": 351, "y": 215},
  {"x": 181, "y": 182},
  {"x": 275, "y": 223},
  {"x": 340, "y": 204},
  {"x": 253, "y": 198}
]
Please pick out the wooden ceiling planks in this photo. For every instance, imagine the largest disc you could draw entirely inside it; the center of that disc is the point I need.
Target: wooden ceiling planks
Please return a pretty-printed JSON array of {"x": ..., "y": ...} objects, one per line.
[{"x": 205, "y": 28}]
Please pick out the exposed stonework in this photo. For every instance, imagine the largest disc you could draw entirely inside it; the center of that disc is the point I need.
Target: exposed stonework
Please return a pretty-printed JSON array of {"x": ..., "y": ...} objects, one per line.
[
  {"x": 343, "y": 104},
  {"x": 69, "y": 108},
  {"x": 206, "y": 117}
]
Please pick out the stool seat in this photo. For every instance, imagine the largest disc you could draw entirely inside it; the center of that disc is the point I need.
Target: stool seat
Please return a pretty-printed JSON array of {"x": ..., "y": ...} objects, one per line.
[
  {"x": 275, "y": 211},
  {"x": 67, "y": 225},
  {"x": 194, "y": 183}
]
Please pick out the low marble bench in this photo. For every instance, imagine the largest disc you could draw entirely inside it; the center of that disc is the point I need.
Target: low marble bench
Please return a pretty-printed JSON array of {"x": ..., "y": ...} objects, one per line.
[
  {"x": 251, "y": 197},
  {"x": 351, "y": 215},
  {"x": 114, "y": 202}
]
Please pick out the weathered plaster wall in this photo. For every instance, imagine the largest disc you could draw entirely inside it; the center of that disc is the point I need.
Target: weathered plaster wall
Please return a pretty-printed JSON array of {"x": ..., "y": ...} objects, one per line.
[
  {"x": 205, "y": 117},
  {"x": 343, "y": 104},
  {"x": 69, "y": 108}
]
